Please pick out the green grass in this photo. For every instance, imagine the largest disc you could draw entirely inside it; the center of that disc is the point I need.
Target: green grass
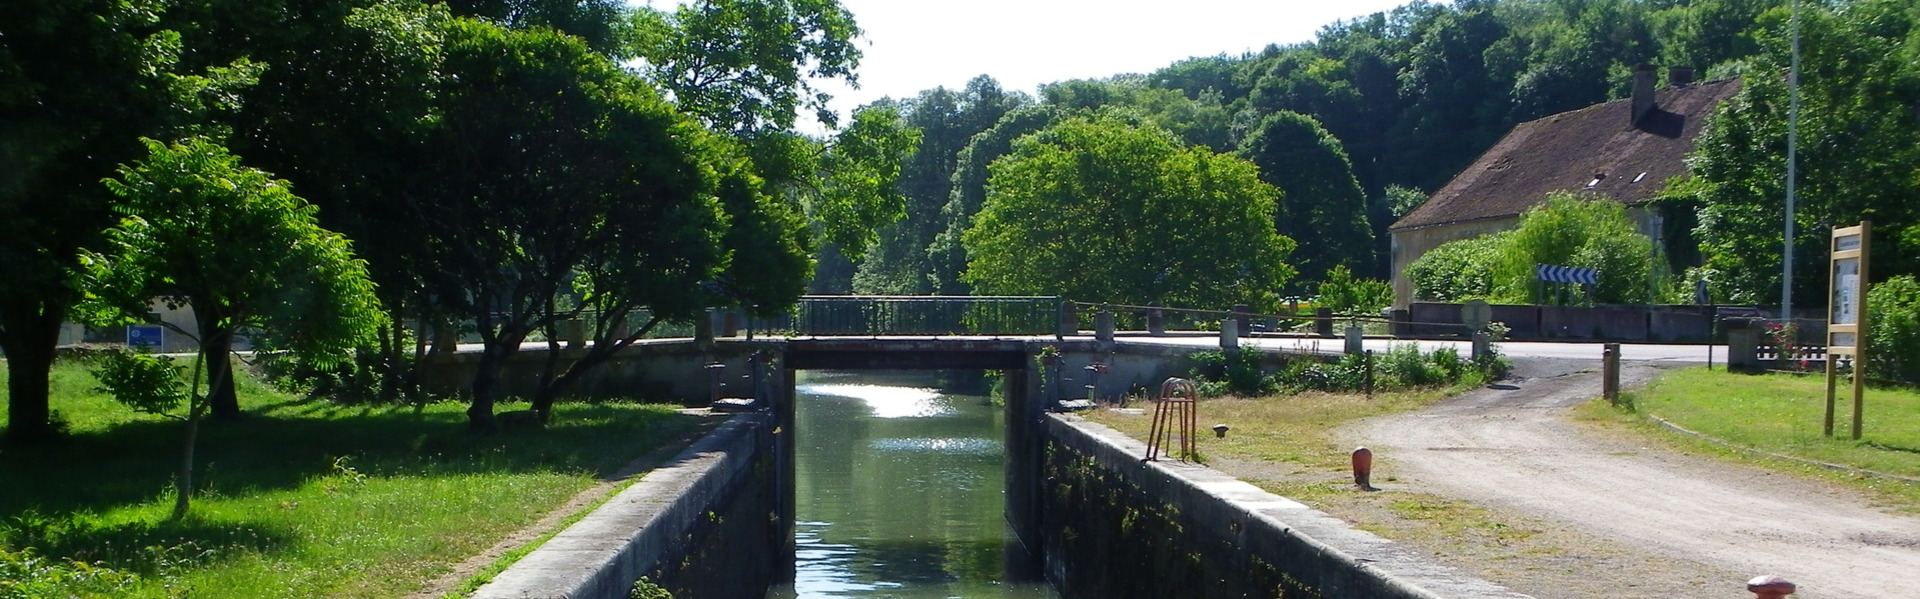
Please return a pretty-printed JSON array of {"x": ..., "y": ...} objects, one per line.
[
  {"x": 1783, "y": 414},
  {"x": 303, "y": 497}
]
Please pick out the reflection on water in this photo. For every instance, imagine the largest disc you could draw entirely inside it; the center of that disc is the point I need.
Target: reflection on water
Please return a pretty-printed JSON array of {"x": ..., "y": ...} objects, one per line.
[{"x": 899, "y": 492}]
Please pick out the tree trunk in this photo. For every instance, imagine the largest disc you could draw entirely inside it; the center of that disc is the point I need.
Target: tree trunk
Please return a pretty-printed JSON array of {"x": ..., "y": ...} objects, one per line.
[
  {"x": 29, "y": 342},
  {"x": 217, "y": 350},
  {"x": 486, "y": 382}
]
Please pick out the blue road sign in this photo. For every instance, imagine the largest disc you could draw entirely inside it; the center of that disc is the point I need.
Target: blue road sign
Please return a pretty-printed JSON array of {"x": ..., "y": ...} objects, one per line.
[
  {"x": 1567, "y": 274},
  {"x": 151, "y": 336}
]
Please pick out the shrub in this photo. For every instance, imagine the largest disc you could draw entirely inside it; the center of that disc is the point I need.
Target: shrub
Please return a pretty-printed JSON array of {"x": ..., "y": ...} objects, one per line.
[
  {"x": 1239, "y": 370},
  {"x": 1347, "y": 295},
  {"x": 1893, "y": 330},
  {"x": 24, "y": 575}
]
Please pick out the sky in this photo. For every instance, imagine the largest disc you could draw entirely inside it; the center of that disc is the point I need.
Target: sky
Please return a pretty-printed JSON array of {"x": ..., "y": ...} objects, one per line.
[{"x": 915, "y": 45}]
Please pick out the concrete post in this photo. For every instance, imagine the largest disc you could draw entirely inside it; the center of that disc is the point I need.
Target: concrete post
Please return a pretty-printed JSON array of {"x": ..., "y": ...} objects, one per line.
[
  {"x": 1242, "y": 316},
  {"x": 1355, "y": 340},
  {"x": 1482, "y": 344},
  {"x": 703, "y": 328},
  {"x": 1743, "y": 344},
  {"x": 1103, "y": 325},
  {"x": 1323, "y": 322},
  {"x": 1156, "y": 320},
  {"x": 1230, "y": 334},
  {"x": 1069, "y": 321}
]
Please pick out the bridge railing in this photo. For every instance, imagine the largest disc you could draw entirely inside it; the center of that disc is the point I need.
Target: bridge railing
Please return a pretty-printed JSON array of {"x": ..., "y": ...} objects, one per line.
[{"x": 827, "y": 315}]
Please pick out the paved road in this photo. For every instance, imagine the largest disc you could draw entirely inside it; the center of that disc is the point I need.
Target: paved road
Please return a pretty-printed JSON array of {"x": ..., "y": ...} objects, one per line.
[{"x": 1647, "y": 352}]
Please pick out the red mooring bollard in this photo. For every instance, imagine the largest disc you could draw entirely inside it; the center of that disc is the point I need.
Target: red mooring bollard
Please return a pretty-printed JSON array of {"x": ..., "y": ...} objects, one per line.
[
  {"x": 1363, "y": 469},
  {"x": 1770, "y": 587}
]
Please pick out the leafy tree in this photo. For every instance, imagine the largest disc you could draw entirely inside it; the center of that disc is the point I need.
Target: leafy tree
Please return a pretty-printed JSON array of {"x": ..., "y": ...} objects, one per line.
[
  {"x": 342, "y": 110},
  {"x": 203, "y": 231},
  {"x": 80, "y": 82},
  {"x": 1319, "y": 198},
  {"x": 948, "y": 254},
  {"x": 947, "y": 121},
  {"x": 1347, "y": 295},
  {"x": 1102, "y": 209},
  {"x": 1859, "y": 142},
  {"x": 560, "y": 175},
  {"x": 746, "y": 65},
  {"x": 1568, "y": 230}
]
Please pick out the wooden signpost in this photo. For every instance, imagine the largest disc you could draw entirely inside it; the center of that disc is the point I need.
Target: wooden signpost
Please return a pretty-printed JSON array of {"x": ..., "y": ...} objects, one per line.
[{"x": 1847, "y": 315}]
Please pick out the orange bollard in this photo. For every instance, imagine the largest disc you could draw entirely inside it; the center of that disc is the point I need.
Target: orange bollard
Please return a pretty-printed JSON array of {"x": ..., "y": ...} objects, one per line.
[
  {"x": 1363, "y": 469},
  {"x": 1770, "y": 587}
]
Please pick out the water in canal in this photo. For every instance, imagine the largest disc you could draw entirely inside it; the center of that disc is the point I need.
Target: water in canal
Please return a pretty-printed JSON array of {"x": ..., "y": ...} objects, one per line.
[{"x": 899, "y": 492}]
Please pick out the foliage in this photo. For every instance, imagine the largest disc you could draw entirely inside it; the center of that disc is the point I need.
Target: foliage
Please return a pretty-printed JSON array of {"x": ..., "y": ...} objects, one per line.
[
  {"x": 1858, "y": 144},
  {"x": 1079, "y": 207},
  {"x": 145, "y": 382},
  {"x": 26, "y": 575},
  {"x": 1564, "y": 231},
  {"x": 947, "y": 256},
  {"x": 900, "y": 263},
  {"x": 80, "y": 82},
  {"x": 1347, "y": 295},
  {"x": 747, "y": 65},
  {"x": 562, "y": 176},
  {"x": 238, "y": 246},
  {"x": 646, "y": 589},
  {"x": 858, "y": 177},
  {"x": 1456, "y": 271},
  {"x": 1584, "y": 233},
  {"x": 1319, "y": 198},
  {"x": 1893, "y": 330},
  {"x": 1238, "y": 369}
]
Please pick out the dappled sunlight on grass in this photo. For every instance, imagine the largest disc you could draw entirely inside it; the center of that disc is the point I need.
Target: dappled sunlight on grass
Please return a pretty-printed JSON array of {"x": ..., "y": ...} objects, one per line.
[{"x": 304, "y": 497}]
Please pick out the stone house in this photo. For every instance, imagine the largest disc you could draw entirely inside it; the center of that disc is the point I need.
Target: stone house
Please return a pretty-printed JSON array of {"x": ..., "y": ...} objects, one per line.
[{"x": 1624, "y": 150}]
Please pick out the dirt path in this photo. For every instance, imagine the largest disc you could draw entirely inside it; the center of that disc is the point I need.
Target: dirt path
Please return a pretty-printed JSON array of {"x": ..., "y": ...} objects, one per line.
[{"x": 1696, "y": 521}]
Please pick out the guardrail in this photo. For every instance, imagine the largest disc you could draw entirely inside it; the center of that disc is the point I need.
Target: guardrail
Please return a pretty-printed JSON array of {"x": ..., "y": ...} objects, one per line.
[{"x": 829, "y": 315}]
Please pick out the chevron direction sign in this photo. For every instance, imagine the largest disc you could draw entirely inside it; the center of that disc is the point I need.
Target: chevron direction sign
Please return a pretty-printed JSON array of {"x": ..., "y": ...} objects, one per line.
[{"x": 1567, "y": 274}]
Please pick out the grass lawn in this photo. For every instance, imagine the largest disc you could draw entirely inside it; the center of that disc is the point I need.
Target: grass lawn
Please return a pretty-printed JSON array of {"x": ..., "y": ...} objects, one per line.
[
  {"x": 1783, "y": 414},
  {"x": 303, "y": 497}
]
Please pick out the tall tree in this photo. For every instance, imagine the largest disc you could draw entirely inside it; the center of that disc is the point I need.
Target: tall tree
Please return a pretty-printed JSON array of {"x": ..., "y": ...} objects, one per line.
[
  {"x": 1859, "y": 151},
  {"x": 243, "y": 251},
  {"x": 746, "y": 65},
  {"x": 947, "y": 254},
  {"x": 1098, "y": 208},
  {"x": 947, "y": 121},
  {"x": 1319, "y": 198},
  {"x": 557, "y": 169},
  {"x": 80, "y": 82}
]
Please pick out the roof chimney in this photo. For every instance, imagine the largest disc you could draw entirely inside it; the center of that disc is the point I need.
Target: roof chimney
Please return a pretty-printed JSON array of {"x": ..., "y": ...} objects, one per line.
[
  {"x": 1642, "y": 91},
  {"x": 1679, "y": 76}
]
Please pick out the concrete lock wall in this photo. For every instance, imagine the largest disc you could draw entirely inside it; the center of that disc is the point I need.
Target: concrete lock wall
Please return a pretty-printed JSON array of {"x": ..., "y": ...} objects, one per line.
[
  {"x": 1118, "y": 528},
  {"x": 697, "y": 526},
  {"x": 655, "y": 370}
]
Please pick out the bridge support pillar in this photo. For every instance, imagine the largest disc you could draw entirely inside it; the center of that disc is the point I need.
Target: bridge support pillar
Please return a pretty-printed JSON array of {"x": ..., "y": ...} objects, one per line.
[{"x": 784, "y": 497}]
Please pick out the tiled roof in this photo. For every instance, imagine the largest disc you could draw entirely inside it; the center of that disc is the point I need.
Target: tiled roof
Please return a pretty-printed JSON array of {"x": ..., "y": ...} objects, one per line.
[{"x": 1570, "y": 150}]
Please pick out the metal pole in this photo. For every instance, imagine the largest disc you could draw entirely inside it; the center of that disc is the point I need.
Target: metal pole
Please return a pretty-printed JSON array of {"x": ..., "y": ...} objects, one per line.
[{"x": 1793, "y": 136}]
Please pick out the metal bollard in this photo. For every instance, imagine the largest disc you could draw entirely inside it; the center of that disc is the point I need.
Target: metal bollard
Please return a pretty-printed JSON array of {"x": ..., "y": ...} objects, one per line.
[
  {"x": 1363, "y": 469},
  {"x": 1770, "y": 587}
]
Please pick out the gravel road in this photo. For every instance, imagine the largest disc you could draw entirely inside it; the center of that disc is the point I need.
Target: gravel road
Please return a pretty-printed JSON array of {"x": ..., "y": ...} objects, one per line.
[{"x": 1511, "y": 447}]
